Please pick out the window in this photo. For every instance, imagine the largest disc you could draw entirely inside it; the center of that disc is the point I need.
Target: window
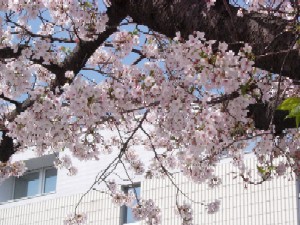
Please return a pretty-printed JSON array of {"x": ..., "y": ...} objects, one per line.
[
  {"x": 27, "y": 185},
  {"x": 50, "y": 180},
  {"x": 36, "y": 182},
  {"x": 127, "y": 215}
]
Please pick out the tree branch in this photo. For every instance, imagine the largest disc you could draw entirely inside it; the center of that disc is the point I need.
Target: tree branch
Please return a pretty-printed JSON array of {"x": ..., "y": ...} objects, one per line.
[
  {"x": 187, "y": 16},
  {"x": 273, "y": 61},
  {"x": 9, "y": 100}
]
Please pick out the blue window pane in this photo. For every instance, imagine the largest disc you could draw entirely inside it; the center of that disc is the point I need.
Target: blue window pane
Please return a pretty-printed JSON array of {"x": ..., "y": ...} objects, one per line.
[
  {"x": 27, "y": 185},
  {"x": 50, "y": 180},
  {"x": 128, "y": 217}
]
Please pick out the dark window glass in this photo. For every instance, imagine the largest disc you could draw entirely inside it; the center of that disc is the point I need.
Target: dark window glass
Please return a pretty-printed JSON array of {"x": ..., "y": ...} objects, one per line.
[
  {"x": 27, "y": 185},
  {"x": 50, "y": 180},
  {"x": 35, "y": 183}
]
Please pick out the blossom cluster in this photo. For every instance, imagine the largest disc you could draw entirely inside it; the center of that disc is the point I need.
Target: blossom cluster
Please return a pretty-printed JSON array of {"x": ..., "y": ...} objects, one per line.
[
  {"x": 15, "y": 73},
  {"x": 186, "y": 213},
  {"x": 141, "y": 209},
  {"x": 135, "y": 163},
  {"x": 148, "y": 211},
  {"x": 119, "y": 197},
  {"x": 124, "y": 41},
  {"x": 76, "y": 219},
  {"x": 9, "y": 169},
  {"x": 281, "y": 8},
  {"x": 66, "y": 162},
  {"x": 213, "y": 207}
]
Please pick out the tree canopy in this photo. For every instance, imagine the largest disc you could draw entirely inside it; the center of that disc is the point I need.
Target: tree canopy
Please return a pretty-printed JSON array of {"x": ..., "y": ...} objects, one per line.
[{"x": 190, "y": 80}]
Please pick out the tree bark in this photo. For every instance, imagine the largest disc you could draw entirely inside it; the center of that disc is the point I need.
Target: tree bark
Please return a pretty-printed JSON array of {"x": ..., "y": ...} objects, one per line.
[
  {"x": 7, "y": 148},
  {"x": 266, "y": 34}
]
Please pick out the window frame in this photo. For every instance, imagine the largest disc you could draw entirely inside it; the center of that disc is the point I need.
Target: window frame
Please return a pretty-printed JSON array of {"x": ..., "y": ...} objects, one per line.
[
  {"x": 124, "y": 208},
  {"x": 41, "y": 185}
]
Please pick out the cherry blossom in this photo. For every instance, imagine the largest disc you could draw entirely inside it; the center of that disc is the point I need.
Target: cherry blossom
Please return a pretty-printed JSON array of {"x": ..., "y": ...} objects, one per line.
[
  {"x": 213, "y": 207},
  {"x": 148, "y": 211},
  {"x": 76, "y": 219},
  {"x": 12, "y": 169},
  {"x": 186, "y": 213},
  {"x": 184, "y": 99}
]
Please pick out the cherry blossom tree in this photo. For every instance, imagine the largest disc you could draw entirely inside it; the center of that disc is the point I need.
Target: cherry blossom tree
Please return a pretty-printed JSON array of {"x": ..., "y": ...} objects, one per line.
[{"x": 190, "y": 80}]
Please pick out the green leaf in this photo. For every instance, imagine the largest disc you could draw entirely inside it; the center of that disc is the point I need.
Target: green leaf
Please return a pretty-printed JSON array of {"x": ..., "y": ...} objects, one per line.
[
  {"x": 270, "y": 168},
  {"x": 66, "y": 50},
  {"x": 289, "y": 103},
  {"x": 244, "y": 89},
  {"x": 213, "y": 59},
  {"x": 2, "y": 39},
  {"x": 298, "y": 41},
  {"x": 203, "y": 54},
  {"x": 135, "y": 32},
  {"x": 297, "y": 121},
  {"x": 295, "y": 111},
  {"x": 20, "y": 126},
  {"x": 88, "y": 5},
  {"x": 261, "y": 170},
  {"x": 191, "y": 89}
]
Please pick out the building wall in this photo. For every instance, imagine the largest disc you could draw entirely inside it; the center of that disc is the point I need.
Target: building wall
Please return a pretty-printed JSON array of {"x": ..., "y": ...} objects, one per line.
[
  {"x": 99, "y": 208},
  {"x": 66, "y": 185},
  {"x": 271, "y": 203},
  {"x": 87, "y": 171}
]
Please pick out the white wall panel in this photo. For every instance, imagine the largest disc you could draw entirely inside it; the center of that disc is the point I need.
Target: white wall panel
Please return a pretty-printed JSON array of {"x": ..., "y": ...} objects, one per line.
[
  {"x": 272, "y": 203},
  {"x": 53, "y": 211}
]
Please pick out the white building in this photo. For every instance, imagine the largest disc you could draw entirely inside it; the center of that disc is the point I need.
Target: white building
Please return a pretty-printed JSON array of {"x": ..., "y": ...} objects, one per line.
[{"x": 44, "y": 196}]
